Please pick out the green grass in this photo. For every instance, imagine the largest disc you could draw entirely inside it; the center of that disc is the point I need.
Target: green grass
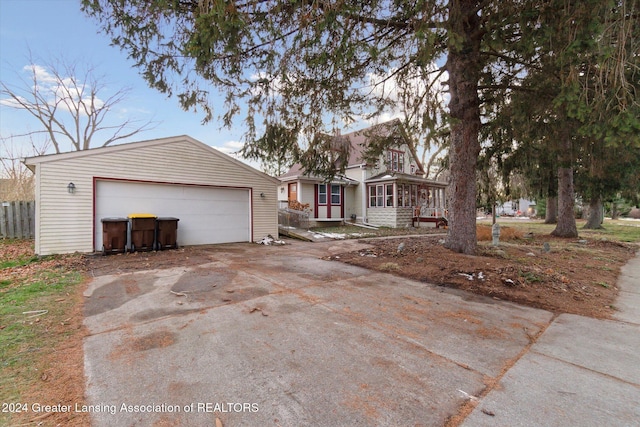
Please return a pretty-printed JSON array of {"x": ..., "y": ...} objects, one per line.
[
  {"x": 614, "y": 230},
  {"x": 530, "y": 277},
  {"x": 355, "y": 232},
  {"x": 621, "y": 231},
  {"x": 25, "y": 338},
  {"x": 18, "y": 262}
]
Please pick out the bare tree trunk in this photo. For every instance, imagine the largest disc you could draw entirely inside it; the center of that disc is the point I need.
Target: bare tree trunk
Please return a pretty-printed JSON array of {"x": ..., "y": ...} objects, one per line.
[
  {"x": 595, "y": 219},
  {"x": 566, "y": 226},
  {"x": 463, "y": 65},
  {"x": 493, "y": 212},
  {"x": 551, "y": 215},
  {"x": 614, "y": 210}
]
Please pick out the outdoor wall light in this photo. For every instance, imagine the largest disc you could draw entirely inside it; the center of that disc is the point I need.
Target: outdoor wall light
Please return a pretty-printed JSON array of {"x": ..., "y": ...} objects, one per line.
[
  {"x": 262, "y": 195},
  {"x": 71, "y": 188}
]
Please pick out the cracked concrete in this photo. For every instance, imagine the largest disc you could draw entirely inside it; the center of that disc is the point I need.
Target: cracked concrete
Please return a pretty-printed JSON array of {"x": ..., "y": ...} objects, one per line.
[{"x": 277, "y": 336}]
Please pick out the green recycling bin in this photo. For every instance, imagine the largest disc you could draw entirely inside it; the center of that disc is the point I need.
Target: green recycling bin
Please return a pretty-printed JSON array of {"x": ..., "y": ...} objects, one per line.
[
  {"x": 143, "y": 231},
  {"x": 114, "y": 235}
]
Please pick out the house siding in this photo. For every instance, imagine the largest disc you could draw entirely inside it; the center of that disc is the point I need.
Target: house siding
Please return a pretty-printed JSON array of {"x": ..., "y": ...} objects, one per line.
[
  {"x": 404, "y": 217},
  {"x": 283, "y": 193},
  {"x": 385, "y": 217},
  {"x": 390, "y": 217},
  {"x": 355, "y": 195},
  {"x": 306, "y": 194},
  {"x": 66, "y": 222},
  {"x": 351, "y": 202}
]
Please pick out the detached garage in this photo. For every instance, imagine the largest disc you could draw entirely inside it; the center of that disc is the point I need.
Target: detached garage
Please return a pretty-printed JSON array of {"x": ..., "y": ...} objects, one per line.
[{"x": 217, "y": 198}]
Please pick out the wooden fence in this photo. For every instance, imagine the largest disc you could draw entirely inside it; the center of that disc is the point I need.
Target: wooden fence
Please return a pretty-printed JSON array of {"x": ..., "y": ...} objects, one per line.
[
  {"x": 17, "y": 220},
  {"x": 293, "y": 218}
]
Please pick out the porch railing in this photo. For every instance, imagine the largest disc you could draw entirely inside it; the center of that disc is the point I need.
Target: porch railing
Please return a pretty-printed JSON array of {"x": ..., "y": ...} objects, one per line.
[{"x": 431, "y": 212}]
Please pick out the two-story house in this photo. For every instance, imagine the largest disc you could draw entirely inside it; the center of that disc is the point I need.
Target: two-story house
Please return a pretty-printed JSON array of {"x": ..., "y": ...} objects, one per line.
[{"x": 389, "y": 192}]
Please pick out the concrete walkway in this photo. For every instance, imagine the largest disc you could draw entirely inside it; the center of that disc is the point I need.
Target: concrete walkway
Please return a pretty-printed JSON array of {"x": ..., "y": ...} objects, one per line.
[
  {"x": 580, "y": 372},
  {"x": 276, "y": 336}
]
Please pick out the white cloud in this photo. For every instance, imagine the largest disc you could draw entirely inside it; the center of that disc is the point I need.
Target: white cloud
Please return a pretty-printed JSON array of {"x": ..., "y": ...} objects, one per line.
[
  {"x": 231, "y": 148},
  {"x": 389, "y": 87},
  {"x": 233, "y": 145},
  {"x": 41, "y": 73},
  {"x": 67, "y": 92},
  {"x": 275, "y": 84},
  {"x": 10, "y": 102}
]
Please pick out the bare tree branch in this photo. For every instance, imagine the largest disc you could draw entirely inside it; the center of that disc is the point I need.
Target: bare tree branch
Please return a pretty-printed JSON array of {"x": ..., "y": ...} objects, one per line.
[
  {"x": 17, "y": 180},
  {"x": 69, "y": 101}
]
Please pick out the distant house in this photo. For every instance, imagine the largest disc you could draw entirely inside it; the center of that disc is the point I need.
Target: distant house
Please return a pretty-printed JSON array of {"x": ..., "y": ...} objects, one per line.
[
  {"x": 391, "y": 191},
  {"x": 519, "y": 208}
]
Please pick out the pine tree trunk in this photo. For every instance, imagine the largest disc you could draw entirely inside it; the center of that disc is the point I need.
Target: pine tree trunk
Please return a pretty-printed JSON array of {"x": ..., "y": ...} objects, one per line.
[
  {"x": 463, "y": 65},
  {"x": 595, "y": 219},
  {"x": 566, "y": 226},
  {"x": 614, "y": 210},
  {"x": 551, "y": 214}
]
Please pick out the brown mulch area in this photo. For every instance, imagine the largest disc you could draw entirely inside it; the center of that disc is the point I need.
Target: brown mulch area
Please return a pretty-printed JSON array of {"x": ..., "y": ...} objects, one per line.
[
  {"x": 123, "y": 263},
  {"x": 573, "y": 276}
]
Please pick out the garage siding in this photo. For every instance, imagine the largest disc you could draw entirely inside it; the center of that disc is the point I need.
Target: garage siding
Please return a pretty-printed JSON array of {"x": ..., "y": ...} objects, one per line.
[{"x": 67, "y": 222}]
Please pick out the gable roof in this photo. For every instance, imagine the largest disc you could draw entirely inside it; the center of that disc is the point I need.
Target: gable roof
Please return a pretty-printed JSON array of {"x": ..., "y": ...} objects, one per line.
[
  {"x": 30, "y": 162},
  {"x": 358, "y": 140}
]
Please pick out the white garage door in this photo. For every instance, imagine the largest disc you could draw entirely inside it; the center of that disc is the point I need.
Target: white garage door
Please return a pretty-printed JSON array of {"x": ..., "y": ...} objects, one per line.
[{"x": 207, "y": 214}]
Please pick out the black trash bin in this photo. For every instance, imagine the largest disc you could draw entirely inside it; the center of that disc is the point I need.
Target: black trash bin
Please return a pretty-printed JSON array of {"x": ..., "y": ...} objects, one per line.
[
  {"x": 167, "y": 233},
  {"x": 143, "y": 232},
  {"x": 114, "y": 235}
]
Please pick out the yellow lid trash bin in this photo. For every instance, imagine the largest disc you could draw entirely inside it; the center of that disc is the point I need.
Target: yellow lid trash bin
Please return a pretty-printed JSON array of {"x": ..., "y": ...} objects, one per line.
[{"x": 143, "y": 231}]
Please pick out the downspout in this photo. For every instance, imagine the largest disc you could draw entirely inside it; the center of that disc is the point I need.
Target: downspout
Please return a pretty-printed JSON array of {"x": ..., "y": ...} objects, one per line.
[{"x": 365, "y": 193}]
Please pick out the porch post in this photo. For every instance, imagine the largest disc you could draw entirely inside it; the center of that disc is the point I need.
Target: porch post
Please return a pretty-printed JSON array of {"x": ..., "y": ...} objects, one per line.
[
  {"x": 315, "y": 200},
  {"x": 342, "y": 201},
  {"x": 329, "y": 193}
]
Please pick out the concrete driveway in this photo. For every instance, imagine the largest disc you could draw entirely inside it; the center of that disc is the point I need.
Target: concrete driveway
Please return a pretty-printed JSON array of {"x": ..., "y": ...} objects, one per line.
[{"x": 276, "y": 336}]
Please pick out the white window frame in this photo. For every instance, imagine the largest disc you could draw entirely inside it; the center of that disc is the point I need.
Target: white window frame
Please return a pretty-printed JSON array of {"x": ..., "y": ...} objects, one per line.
[
  {"x": 381, "y": 196},
  {"x": 388, "y": 196},
  {"x": 395, "y": 160},
  {"x": 322, "y": 191},
  {"x": 334, "y": 194}
]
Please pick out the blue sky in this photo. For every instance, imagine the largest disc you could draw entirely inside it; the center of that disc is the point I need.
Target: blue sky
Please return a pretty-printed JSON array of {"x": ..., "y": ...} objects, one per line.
[{"x": 55, "y": 28}]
